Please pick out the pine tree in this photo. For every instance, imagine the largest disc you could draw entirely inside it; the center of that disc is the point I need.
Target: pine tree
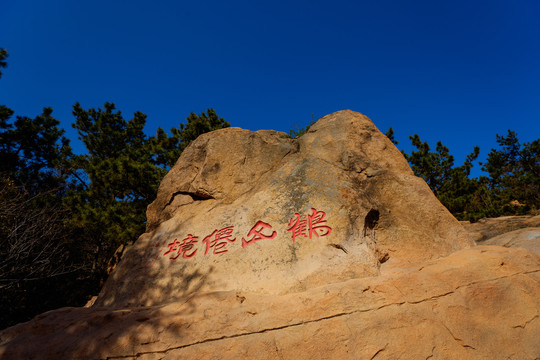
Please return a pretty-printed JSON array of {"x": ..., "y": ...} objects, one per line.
[
  {"x": 120, "y": 174},
  {"x": 390, "y": 135},
  {"x": 3, "y": 56},
  {"x": 514, "y": 173},
  {"x": 34, "y": 240},
  {"x": 433, "y": 167},
  {"x": 167, "y": 149}
]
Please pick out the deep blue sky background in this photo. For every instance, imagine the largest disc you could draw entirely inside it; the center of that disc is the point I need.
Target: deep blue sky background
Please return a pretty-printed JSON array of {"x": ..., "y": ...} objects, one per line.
[{"x": 456, "y": 71}]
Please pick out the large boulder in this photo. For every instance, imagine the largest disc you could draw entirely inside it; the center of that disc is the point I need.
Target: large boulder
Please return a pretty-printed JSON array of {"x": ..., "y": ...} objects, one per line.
[
  {"x": 261, "y": 212},
  {"x": 324, "y": 247}
]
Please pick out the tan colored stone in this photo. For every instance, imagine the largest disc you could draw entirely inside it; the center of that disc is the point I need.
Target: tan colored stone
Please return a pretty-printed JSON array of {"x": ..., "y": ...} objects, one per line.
[
  {"x": 528, "y": 238},
  {"x": 378, "y": 212},
  {"x": 396, "y": 278},
  {"x": 480, "y": 303},
  {"x": 488, "y": 228}
]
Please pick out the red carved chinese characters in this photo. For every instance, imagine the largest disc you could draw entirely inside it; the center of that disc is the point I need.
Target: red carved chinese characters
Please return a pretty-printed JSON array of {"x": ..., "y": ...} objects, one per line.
[
  {"x": 313, "y": 224},
  {"x": 298, "y": 226},
  {"x": 183, "y": 247},
  {"x": 306, "y": 225},
  {"x": 218, "y": 240},
  {"x": 315, "y": 219},
  {"x": 256, "y": 233}
]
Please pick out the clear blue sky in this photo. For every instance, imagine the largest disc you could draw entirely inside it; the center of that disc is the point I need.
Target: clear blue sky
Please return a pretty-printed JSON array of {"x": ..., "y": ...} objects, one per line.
[{"x": 455, "y": 71}]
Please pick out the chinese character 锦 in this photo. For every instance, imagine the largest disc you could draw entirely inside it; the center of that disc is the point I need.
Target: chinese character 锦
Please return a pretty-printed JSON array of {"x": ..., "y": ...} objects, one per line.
[
  {"x": 313, "y": 224},
  {"x": 298, "y": 226}
]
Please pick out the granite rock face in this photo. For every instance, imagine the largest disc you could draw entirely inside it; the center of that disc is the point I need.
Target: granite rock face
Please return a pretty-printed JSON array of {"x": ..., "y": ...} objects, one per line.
[
  {"x": 260, "y": 212},
  {"x": 479, "y": 303},
  {"x": 528, "y": 238},
  {"x": 324, "y": 247},
  {"x": 485, "y": 229},
  {"x": 508, "y": 231}
]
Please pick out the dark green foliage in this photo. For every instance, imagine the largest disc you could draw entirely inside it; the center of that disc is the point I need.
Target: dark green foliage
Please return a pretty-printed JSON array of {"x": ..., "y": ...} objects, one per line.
[
  {"x": 295, "y": 132},
  {"x": 63, "y": 216},
  {"x": 433, "y": 167},
  {"x": 117, "y": 179},
  {"x": 511, "y": 188},
  {"x": 514, "y": 173},
  {"x": 530, "y": 173},
  {"x": 390, "y": 135},
  {"x": 167, "y": 149},
  {"x": 466, "y": 198},
  {"x": 32, "y": 151},
  {"x": 197, "y": 125},
  {"x": 3, "y": 56},
  {"x": 120, "y": 174},
  {"x": 7, "y": 155},
  {"x": 34, "y": 238},
  {"x": 33, "y": 154}
]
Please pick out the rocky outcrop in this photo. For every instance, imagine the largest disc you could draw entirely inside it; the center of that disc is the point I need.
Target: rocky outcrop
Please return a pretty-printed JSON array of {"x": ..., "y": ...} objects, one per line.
[
  {"x": 480, "y": 303},
  {"x": 263, "y": 247},
  {"x": 508, "y": 231},
  {"x": 260, "y": 212},
  {"x": 485, "y": 229},
  {"x": 528, "y": 238}
]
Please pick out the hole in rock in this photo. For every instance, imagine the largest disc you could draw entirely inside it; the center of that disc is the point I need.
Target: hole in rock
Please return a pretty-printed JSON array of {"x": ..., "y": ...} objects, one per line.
[
  {"x": 199, "y": 196},
  {"x": 370, "y": 222},
  {"x": 384, "y": 258},
  {"x": 195, "y": 196}
]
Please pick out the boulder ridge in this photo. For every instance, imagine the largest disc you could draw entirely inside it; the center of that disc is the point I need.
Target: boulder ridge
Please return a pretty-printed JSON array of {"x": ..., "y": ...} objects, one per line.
[{"x": 261, "y": 212}]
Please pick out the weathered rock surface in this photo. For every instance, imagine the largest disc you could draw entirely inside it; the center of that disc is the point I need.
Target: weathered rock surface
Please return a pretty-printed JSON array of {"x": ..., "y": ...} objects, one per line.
[
  {"x": 485, "y": 229},
  {"x": 507, "y": 231},
  {"x": 480, "y": 303},
  {"x": 377, "y": 269},
  {"x": 528, "y": 238},
  {"x": 352, "y": 196}
]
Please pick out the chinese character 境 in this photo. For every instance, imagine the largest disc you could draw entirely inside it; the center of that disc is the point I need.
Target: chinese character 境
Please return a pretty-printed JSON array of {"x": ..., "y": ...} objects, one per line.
[{"x": 183, "y": 247}]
